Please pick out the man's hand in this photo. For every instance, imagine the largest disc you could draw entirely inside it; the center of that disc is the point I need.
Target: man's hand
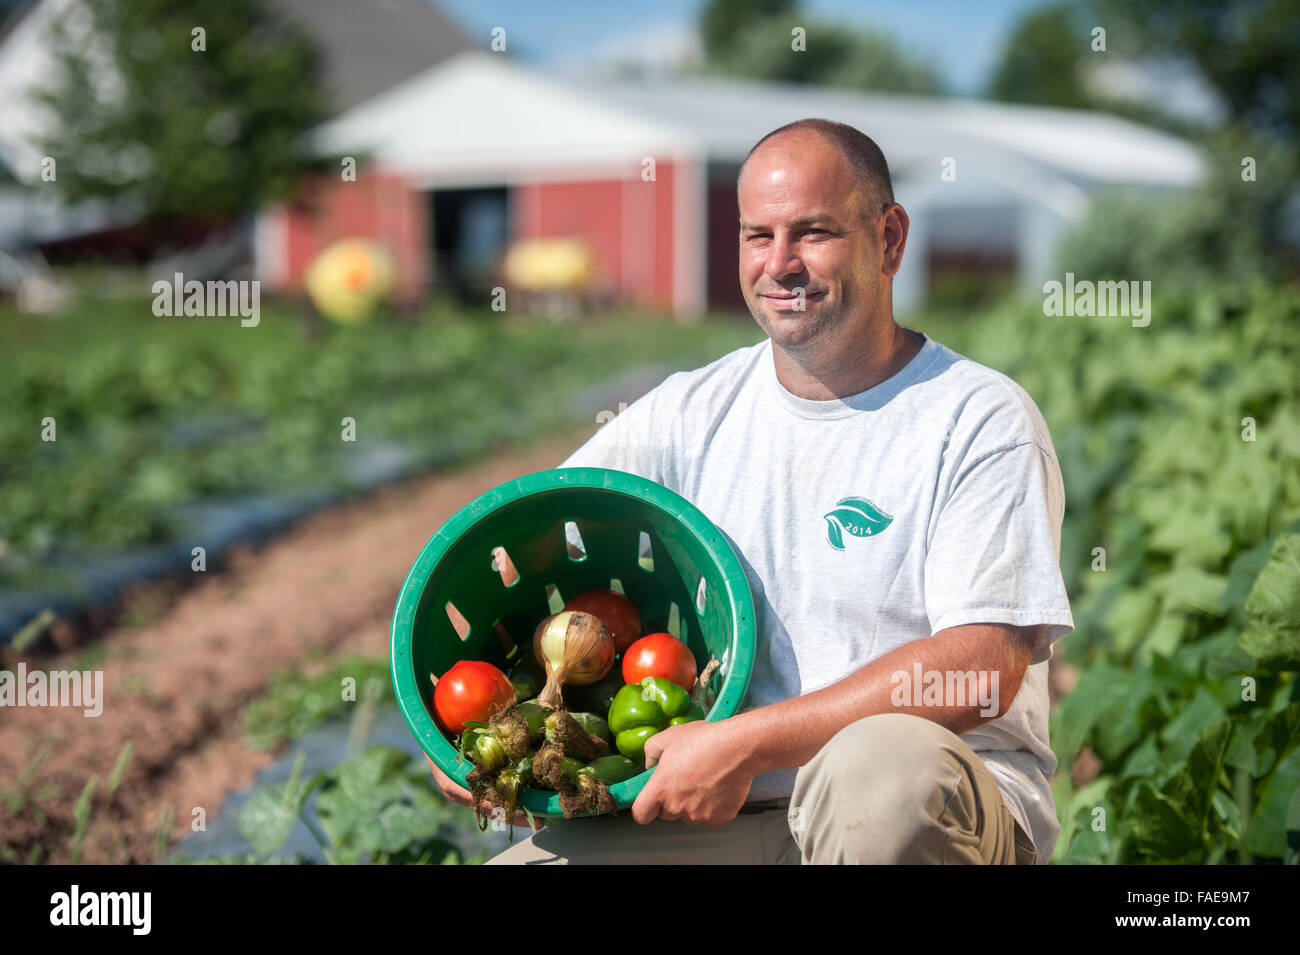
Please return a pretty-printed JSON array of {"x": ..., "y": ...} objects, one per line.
[
  {"x": 701, "y": 775},
  {"x": 459, "y": 794}
]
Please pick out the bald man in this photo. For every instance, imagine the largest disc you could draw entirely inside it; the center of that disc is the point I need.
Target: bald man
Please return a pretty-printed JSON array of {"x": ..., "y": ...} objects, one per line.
[{"x": 897, "y": 508}]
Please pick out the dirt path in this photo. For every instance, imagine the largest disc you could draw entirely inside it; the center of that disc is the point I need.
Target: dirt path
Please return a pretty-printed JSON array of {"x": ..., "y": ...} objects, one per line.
[{"x": 175, "y": 686}]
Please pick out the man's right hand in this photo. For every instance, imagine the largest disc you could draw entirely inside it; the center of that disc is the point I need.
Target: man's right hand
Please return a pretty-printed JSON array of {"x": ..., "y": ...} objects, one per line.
[{"x": 459, "y": 794}]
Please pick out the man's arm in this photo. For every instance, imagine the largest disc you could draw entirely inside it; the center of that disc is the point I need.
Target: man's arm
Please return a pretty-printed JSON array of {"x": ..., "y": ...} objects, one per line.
[
  {"x": 791, "y": 732},
  {"x": 705, "y": 769}
]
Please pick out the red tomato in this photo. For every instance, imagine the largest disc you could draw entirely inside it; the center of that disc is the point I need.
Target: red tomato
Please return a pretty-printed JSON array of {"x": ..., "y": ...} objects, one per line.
[
  {"x": 661, "y": 655},
  {"x": 470, "y": 690},
  {"x": 615, "y": 611}
]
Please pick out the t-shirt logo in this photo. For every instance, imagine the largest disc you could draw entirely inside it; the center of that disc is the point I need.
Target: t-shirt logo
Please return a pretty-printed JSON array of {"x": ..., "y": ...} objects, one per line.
[{"x": 856, "y": 515}]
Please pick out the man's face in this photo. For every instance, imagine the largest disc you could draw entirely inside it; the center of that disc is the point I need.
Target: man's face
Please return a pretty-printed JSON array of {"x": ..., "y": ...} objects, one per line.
[{"x": 802, "y": 227}]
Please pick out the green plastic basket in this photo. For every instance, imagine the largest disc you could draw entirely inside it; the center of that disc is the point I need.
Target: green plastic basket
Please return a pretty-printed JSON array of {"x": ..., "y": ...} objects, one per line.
[{"x": 617, "y": 514}]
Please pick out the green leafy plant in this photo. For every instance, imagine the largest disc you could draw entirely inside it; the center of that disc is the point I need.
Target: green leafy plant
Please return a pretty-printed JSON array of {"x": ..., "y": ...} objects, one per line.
[
  {"x": 294, "y": 704},
  {"x": 84, "y": 807},
  {"x": 1179, "y": 446},
  {"x": 376, "y": 808}
]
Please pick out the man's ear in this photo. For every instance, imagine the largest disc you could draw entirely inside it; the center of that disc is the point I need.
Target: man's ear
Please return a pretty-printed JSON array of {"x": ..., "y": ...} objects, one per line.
[{"x": 894, "y": 239}]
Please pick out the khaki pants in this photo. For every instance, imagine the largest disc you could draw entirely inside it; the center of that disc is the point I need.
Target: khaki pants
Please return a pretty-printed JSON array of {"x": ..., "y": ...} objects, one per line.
[{"x": 892, "y": 788}]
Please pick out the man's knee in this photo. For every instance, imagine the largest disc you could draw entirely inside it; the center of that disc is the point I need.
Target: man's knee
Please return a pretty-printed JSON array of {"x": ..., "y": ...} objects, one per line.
[
  {"x": 890, "y": 755},
  {"x": 887, "y": 788}
]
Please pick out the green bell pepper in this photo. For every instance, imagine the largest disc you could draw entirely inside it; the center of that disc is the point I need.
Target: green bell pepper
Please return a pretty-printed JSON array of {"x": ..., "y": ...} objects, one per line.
[{"x": 640, "y": 710}]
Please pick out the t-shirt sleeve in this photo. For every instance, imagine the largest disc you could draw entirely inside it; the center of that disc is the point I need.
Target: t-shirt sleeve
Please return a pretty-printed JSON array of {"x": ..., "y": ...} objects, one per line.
[{"x": 994, "y": 553}]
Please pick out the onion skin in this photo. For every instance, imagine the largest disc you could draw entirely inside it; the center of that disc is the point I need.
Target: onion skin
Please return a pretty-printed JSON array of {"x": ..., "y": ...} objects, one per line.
[{"x": 575, "y": 648}]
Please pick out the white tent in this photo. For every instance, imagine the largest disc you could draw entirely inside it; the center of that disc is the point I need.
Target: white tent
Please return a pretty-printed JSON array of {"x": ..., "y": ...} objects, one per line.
[{"x": 970, "y": 174}]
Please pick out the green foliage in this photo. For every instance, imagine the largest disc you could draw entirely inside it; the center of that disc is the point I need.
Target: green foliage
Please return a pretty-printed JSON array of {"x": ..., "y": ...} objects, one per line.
[
  {"x": 1273, "y": 608},
  {"x": 1226, "y": 231},
  {"x": 721, "y": 21},
  {"x": 294, "y": 704},
  {"x": 1041, "y": 59},
  {"x": 271, "y": 813},
  {"x": 153, "y": 413},
  {"x": 1245, "y": 51},
  {"x": 141, "y": 113},
  {"x": 250, "y": 859},
  {"x": 82, "y": 811},
  {"x": 119, "y": 766},
  {"x": 378, "y": 808},
  {"x": 1186, "y": 641},
  {"x": 81, "y": 816},
  {"x": 833, "y": 55}
]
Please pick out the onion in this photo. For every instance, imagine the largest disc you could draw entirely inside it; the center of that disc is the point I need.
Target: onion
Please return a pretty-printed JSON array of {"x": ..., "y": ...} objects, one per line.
[{"x": 575, "y": 648}]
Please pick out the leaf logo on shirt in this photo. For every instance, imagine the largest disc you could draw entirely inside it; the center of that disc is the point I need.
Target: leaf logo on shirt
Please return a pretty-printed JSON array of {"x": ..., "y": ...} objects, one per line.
[{"x": 856, "y": 515}]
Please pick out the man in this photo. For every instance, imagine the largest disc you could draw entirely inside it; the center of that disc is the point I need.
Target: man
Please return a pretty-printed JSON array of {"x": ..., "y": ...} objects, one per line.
[{"x": 897, "y": 509}]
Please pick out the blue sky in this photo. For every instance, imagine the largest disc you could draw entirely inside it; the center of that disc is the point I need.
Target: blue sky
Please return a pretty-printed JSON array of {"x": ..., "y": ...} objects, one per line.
[{"x": 962, "y": 38}]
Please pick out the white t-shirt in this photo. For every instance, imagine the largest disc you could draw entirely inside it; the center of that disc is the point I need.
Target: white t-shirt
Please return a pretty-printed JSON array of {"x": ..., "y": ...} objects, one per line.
[{"x": 931, "y": 500}]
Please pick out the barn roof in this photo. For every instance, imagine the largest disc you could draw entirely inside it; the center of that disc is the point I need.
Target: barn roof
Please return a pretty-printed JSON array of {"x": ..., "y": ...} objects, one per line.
[
  {"x": 368, "y": 47},
  {"x": 481, "y": 117}
]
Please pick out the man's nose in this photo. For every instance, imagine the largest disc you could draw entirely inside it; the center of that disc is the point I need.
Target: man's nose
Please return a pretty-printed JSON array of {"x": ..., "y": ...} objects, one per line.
[{"x": 782, "y": 260}]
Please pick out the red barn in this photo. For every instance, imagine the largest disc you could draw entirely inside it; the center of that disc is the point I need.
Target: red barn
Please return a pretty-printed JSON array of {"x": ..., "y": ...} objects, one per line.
[{"x": 455, "y": 163}]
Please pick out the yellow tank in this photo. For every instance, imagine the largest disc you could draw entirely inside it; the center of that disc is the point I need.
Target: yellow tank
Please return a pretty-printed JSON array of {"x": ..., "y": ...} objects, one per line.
[
  {"x": 550, "y": 265},
  {"x": 351, "y": 280}
]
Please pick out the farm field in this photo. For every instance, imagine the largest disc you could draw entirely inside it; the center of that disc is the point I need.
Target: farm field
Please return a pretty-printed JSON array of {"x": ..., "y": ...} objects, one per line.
[{"x": 1176, "y": 711}]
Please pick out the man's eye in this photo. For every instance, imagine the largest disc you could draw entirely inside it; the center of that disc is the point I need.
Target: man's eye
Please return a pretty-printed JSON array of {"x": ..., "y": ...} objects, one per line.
[
  {"x": 758, "y": 235},
  {"x": 816, "y": 232}
]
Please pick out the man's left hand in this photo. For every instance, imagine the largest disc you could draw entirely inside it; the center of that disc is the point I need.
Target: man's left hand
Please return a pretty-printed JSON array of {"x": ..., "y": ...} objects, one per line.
[{"x": 700, "y": 775}]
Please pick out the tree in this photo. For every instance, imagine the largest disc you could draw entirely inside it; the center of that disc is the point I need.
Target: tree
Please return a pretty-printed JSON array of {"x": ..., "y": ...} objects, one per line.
[
  {"x": 1247, "y": 51},
  {"x": 764, "y": 49},
  {"x": 721, "y": 21},
  {"x": 1244, "y": 51},
  {"x": 1041, "y": 60},
  {"x": 184, "y": 107}
]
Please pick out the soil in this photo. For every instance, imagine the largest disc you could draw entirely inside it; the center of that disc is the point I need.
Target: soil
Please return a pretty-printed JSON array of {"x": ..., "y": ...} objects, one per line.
[{"x": 181, "y": 662}]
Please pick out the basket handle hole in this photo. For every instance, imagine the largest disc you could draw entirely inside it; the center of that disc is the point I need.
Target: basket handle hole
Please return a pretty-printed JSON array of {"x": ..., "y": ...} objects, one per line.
[
  {"x": 699, "y": 596},
  {"x": 458, "y": 621},
  {"x": 553, "y": 598},
  {"x": 675, "y": 624},
  {"x": 573, "y": 541},
  {"x": 616, "y": 585},
  {"x": 504, "y": 566},
  {"x": 645, "y": 555}
]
